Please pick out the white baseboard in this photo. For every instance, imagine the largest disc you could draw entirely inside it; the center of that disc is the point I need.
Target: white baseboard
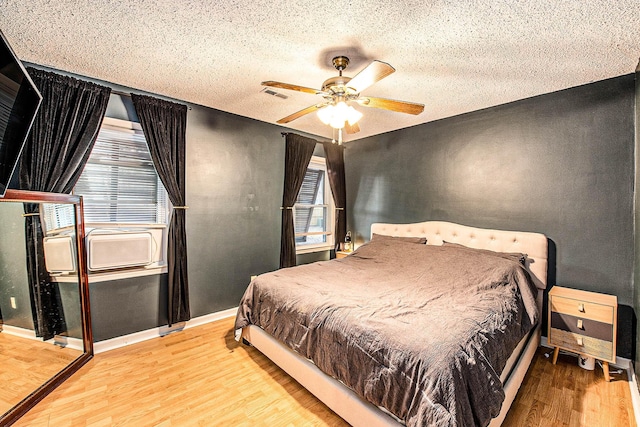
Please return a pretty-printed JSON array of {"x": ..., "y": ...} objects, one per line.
[
  {"x": 20, "y": 332},
  {"x": 635, "y": 392},
  {"x": 627, "y": 365},
  {"x": 68, "y": 342},
  {"x": 136, "y": 337}
]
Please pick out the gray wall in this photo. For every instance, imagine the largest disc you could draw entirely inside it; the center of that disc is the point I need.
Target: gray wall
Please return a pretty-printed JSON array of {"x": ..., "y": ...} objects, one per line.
[
  {"x": 13, "y": 270},
  {"x": 122, "y": 307},
  {"x": 235, "y": 176},
  {"x": 15, "y": 283},
  {"x": 637, "y": 215},
  {"x": 561, "y": 164}
]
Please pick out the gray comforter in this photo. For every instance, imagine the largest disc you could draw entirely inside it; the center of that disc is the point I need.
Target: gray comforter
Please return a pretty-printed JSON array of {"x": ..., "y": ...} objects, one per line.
[{"x": 422, "y": 331}]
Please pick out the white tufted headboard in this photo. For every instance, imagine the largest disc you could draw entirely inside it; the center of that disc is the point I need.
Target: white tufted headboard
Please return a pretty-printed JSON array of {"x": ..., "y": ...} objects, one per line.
[{"x": 534, "y": 245}]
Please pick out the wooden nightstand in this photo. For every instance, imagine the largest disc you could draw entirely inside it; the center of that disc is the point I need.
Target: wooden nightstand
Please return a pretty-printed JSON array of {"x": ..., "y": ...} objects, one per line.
[
  {"x": 342, "y": 254},
  {"x": 583, "y": 322}
]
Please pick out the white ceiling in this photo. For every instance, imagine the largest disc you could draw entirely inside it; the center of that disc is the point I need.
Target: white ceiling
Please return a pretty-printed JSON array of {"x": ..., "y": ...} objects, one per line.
[{"x": 454, "y": 56}]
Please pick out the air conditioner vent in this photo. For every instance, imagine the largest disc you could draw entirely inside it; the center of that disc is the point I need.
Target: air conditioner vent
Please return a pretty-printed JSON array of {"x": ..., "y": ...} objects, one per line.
[
  {"x": 111, "y": 250},
  {"x": 274, "y": 93},
  {"x": 60, "y": 254}
]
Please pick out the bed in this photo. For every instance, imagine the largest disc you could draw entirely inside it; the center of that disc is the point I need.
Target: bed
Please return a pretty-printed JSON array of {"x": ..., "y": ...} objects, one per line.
[{"x": 399, "y": 346}]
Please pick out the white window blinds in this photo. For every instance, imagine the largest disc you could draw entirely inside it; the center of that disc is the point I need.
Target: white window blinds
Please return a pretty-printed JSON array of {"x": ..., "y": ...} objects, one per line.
[
  {"x": 314, "y": 206},
  {"x": 58, "y": 216},
  {"x": 119, "y": 184}
]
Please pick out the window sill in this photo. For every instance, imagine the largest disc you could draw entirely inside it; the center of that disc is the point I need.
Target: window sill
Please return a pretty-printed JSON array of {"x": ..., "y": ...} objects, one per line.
[
  {"x": 122, "y": 225},
  {"x": 313, "y": 249},
  {"x": 106, "y": 276}
]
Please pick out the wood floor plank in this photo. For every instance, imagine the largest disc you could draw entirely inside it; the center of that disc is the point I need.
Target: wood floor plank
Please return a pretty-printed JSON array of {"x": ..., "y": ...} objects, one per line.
[
  {"x": 26, "y": 364},
  {"x": 202, "y": 377},
  {"x": 571, "y": 396}
]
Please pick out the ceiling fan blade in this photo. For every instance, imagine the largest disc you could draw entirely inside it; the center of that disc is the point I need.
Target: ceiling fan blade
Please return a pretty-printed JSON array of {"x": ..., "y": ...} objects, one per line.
[
  {"x": 301, "y": 113},
  {"x": 392, "y": 105},
  {"x": 373, "y": 72},
  {"x": 292, "y": 87},
  {"x": 351, "y": 129}
]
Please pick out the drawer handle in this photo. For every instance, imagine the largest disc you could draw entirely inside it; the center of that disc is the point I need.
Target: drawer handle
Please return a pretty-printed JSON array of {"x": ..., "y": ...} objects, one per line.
[
  {"x": 580, "y": 326},
  {"x": 580, "y": 341},
  {"x": 581, "y": 308}
]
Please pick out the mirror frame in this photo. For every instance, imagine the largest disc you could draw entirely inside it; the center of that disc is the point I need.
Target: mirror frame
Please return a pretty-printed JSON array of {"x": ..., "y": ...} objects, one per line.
[{"x": 37, "y": 395}]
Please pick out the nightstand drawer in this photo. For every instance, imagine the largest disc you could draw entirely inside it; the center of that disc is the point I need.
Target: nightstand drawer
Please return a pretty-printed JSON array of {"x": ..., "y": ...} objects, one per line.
[
  {"x": 577, "y": 325},
  {"x": 599, "y": 349},
  {"x": 582, "y": 309}
]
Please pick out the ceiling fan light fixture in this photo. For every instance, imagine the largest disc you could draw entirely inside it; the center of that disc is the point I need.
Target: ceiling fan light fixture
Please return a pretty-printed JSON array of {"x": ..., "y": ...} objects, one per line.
[
  {"x": 353, "y": 116},
  {"x": 325, "y": 114},
  {"x": 340, "y": 114},
  {"x": 337, "y": 123},
  {"x": 336, "y": 115}
]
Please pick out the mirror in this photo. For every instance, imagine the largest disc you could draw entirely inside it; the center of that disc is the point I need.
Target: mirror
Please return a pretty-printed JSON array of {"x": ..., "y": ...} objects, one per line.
[{"x": 45, "y": 329}]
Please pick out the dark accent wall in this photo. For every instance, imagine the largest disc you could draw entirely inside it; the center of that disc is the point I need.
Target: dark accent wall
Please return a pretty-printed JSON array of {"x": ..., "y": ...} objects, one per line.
[
  {"x": 125, "y": 306},
  {"x": 70, "y": 297},
  {"x": 561, "y": 164},
  {"x": 13, "y": 270},
  {"x": 14, "y": 282},
  {"x": 313, "y": 257},
  {"x": 636, "y": 281},
  {"x": 235, "y": 176}
]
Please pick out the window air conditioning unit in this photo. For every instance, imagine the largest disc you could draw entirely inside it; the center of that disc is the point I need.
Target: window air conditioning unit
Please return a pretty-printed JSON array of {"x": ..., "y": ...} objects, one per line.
[
  {"x": 107, "y": 250},
  {"x": 60, "y": 254}
]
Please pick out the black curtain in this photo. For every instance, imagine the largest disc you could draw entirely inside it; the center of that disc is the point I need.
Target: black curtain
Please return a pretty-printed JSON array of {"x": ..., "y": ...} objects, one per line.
[
  {"x": 164, "y": 126},
  {"x": 334, "y": 157},
  {"x": 53, "y": 157},
  {"x": 298, "y": 152}
]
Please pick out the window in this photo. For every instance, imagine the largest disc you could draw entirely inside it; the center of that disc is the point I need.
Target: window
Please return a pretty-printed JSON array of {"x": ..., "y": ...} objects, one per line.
[
  {"x": 58, "y": 217},
  {"x": 314, "y": 208},
  {"x": 119, "y": 183},
  {"x": 125, "y": 206}
]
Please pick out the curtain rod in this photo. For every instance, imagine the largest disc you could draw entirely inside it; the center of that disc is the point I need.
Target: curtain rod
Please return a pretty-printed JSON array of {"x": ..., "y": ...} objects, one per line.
[
  {"x": 97, "y": 81},
  {"x": 128, "y": 95},
  {"x": 118, "y": 92},
  {"x": 292, "y": 133}
]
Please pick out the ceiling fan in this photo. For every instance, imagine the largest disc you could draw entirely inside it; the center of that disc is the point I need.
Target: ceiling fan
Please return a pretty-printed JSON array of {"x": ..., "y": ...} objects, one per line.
[{"x": 340, "y": 91}]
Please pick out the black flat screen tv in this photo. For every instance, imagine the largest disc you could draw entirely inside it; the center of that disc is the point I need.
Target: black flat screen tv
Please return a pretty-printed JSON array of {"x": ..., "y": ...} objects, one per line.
[{"x": 19, "y": 103}]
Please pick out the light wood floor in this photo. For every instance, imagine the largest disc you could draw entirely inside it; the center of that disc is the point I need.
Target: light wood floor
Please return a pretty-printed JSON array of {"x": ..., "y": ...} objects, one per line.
[
  {"x": 26, "y": 364},
  {"x": 202, "y": 377},
  {"x": 567, "y": 395}
]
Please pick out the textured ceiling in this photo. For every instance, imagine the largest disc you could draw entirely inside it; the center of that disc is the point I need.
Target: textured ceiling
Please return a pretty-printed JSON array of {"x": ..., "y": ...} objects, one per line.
[{"x": 453, "y": 56}]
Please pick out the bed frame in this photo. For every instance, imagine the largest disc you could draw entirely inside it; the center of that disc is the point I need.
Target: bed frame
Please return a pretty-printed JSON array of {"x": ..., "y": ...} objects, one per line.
[{"x": 356, "y": 411}]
